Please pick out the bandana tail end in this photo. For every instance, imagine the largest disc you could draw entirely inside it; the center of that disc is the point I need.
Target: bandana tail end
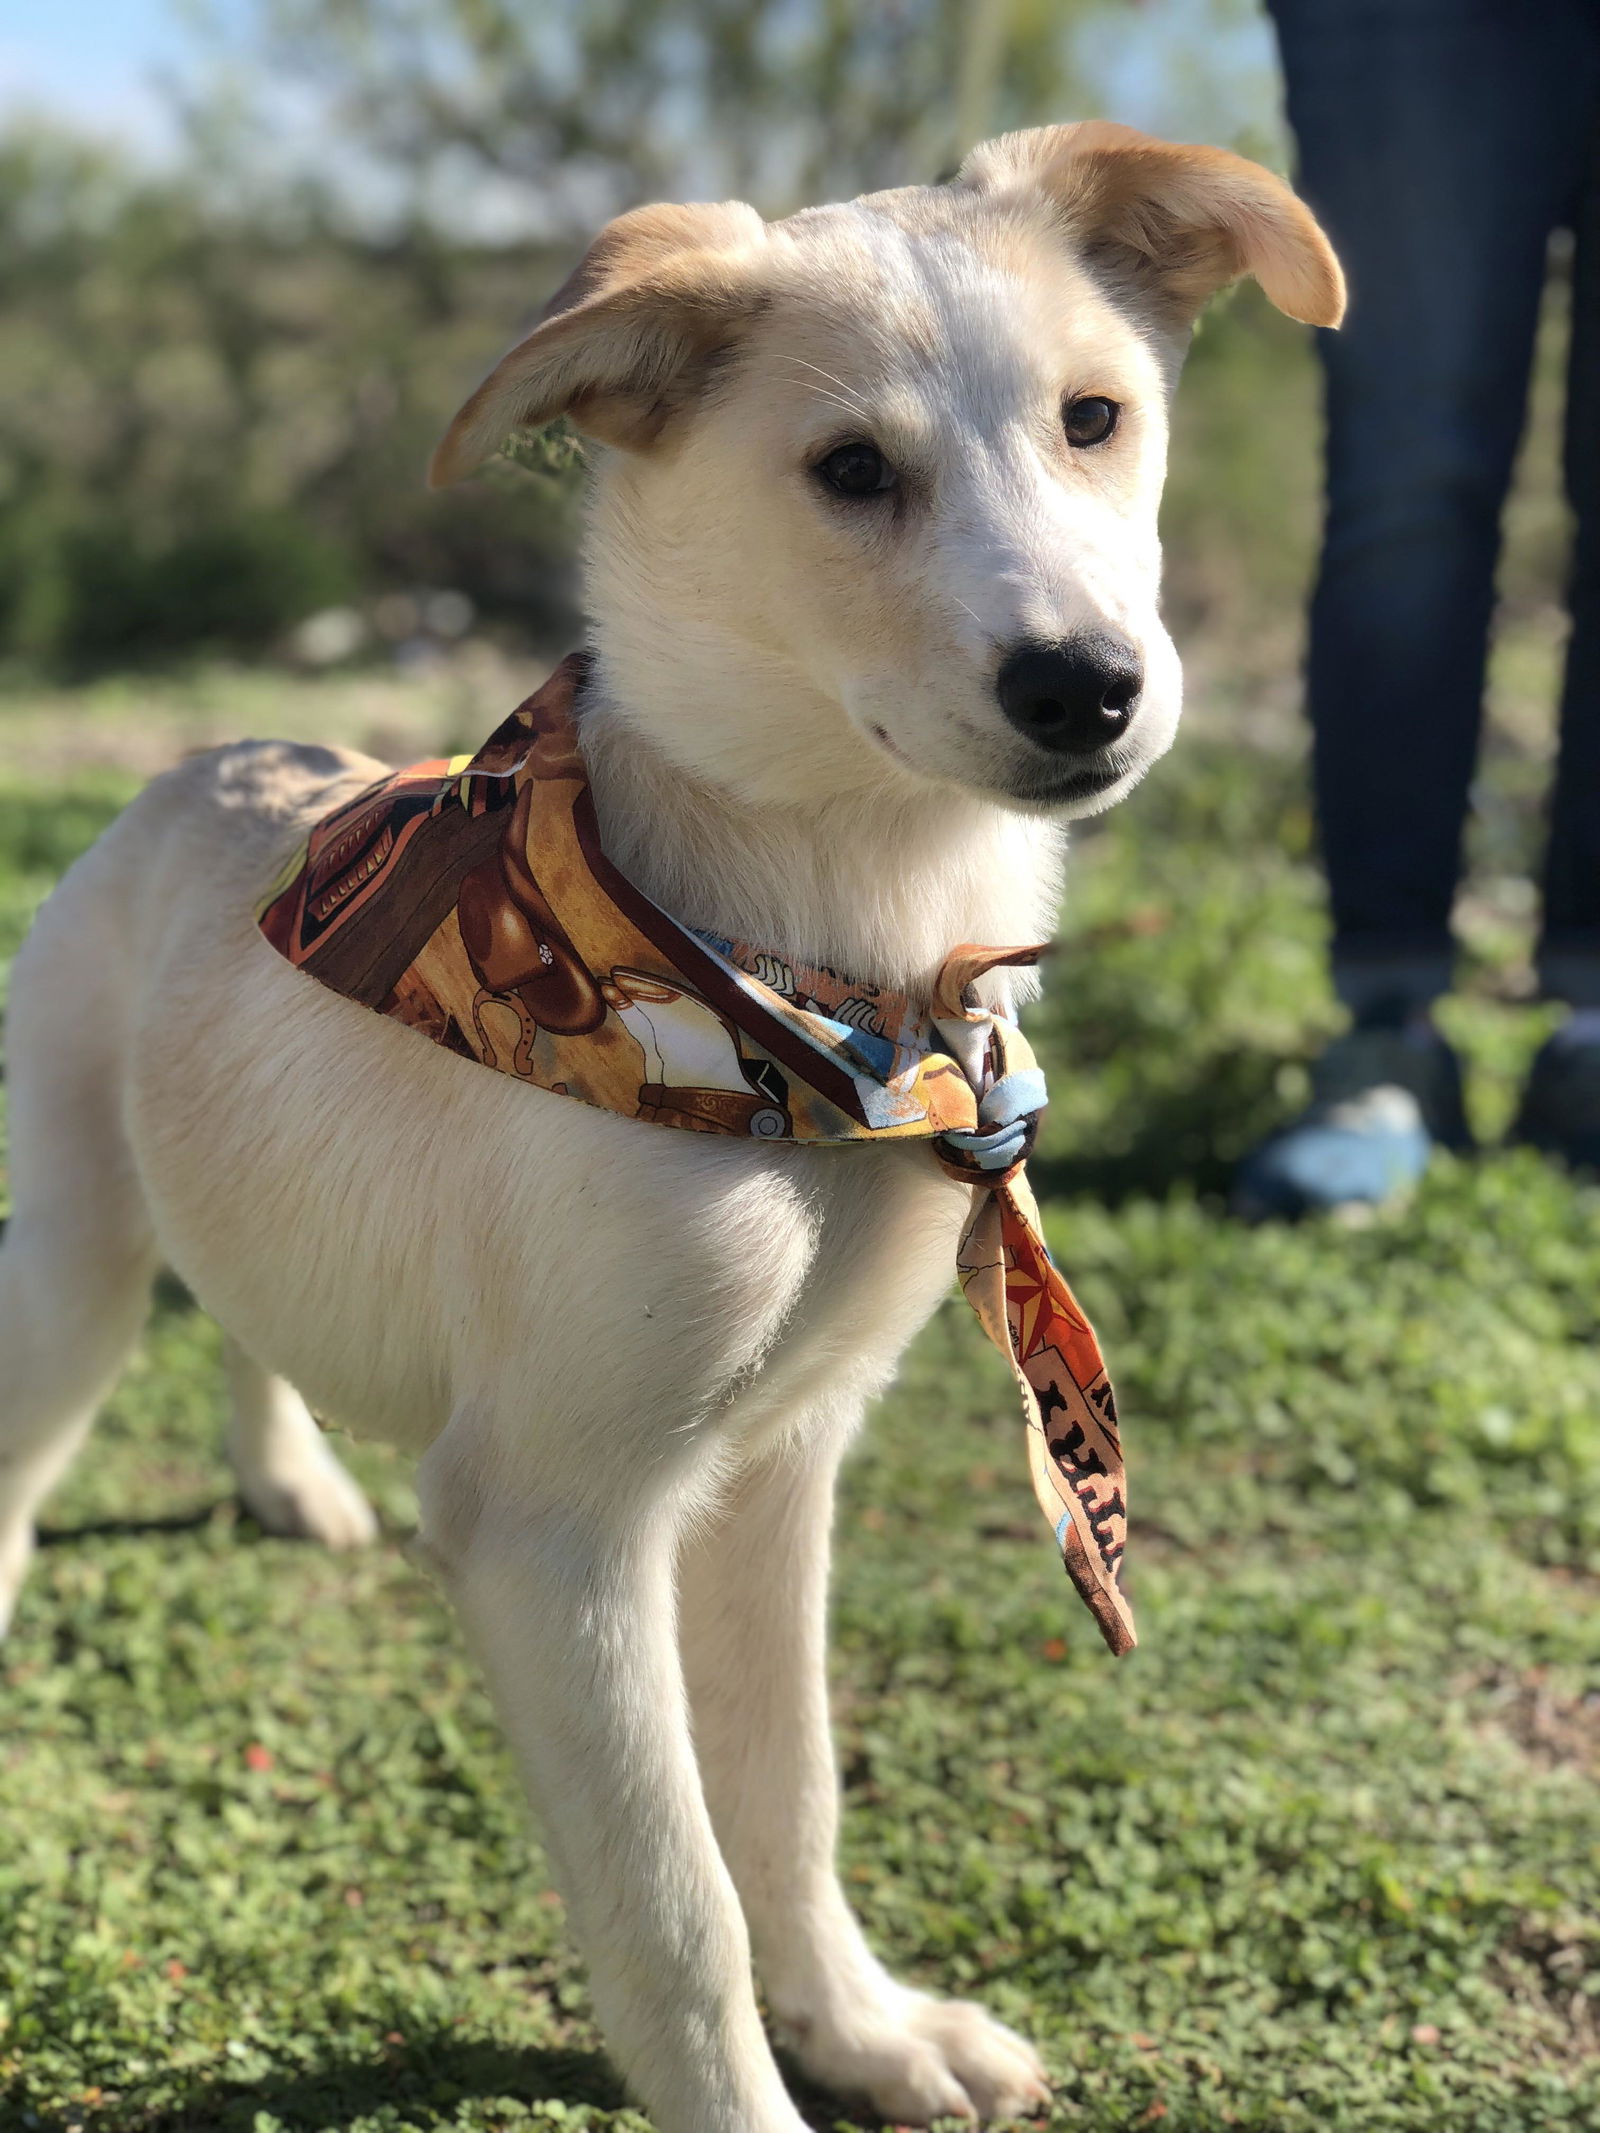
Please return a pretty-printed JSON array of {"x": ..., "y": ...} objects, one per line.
[{"x": 1074, "y": 1449}]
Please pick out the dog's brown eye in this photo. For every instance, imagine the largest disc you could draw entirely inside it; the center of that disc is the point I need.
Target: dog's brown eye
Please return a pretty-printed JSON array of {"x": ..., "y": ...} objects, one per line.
[
  {"x": 856, "y": 470},
  {"x": 1089, "y": 421}
]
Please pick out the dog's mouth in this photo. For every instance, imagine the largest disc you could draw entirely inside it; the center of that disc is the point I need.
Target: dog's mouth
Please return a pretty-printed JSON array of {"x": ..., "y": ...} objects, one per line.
[
  {"x": 1055, "y": 787},
  {"x": 1068, "y": 788}
]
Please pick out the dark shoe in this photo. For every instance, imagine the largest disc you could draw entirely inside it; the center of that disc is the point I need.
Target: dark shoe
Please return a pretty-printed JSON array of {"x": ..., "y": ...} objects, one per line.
[
  {"x": 1382, "y": 1099},
  {"x": 1561, "y": 1105}
]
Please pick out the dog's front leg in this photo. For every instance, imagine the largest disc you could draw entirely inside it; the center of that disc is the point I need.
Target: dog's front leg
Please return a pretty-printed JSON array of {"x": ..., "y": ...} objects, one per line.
[
  {"x": 570, "y": 1606},
  {"x": 754, "y": 1627}
]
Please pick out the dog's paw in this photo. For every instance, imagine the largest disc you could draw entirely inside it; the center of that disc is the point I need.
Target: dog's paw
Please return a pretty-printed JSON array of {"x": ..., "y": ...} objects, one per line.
[
  {"x": 311, "y": 1499},
  {"x": 917, "y": 2059}
]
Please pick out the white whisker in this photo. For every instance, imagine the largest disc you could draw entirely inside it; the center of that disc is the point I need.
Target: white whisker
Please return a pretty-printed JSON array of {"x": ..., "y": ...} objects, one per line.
[
  {"x": 833, "y": 400},
  {"x": 818, "y": 370}
]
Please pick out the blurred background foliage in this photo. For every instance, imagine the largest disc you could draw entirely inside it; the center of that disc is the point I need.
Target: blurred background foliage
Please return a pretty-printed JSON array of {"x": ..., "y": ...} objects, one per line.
[
  {"x": 215, "y": 408},
  {"x": 221, "y": 369}
]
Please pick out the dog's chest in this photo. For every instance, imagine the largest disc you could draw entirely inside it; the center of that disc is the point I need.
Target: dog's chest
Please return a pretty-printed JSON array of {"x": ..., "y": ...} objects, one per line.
[{"x": 838, "y": 1257}]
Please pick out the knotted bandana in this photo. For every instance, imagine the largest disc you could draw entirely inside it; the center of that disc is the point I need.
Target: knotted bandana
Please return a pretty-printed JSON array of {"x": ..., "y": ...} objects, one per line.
[{"x": 470, "y": 899}]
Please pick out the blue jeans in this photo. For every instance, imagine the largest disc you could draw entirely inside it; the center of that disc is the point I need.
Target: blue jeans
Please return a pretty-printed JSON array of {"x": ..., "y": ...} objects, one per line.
[{"x": 1441, "y": 142}]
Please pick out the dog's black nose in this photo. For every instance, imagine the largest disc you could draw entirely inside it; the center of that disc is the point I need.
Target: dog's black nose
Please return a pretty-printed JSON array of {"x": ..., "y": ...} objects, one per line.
[{"x": 1072, "y": 697}]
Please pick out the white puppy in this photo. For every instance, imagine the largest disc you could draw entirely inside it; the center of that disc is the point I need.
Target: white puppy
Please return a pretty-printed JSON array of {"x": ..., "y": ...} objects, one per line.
[{"x": 872, "y": 568}]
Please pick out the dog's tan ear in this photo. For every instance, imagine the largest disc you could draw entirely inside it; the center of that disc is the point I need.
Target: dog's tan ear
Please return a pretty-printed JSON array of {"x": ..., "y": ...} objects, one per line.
[
  {"x": 626, "y": 339},
  {"x": 1177, "y": 221}
]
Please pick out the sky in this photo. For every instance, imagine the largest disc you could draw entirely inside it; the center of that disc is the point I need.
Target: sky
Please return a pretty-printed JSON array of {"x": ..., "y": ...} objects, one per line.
[
  {"x": 96, "y": 61},
  {"x": 1161, "y": 65}
]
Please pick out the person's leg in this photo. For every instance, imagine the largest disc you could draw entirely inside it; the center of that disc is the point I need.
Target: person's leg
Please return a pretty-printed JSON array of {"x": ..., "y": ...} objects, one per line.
[
  {"x": 1569, "y": 953},
  {"x": 1560, "y": 1109},
  {"x": 1440, "y": 142}
]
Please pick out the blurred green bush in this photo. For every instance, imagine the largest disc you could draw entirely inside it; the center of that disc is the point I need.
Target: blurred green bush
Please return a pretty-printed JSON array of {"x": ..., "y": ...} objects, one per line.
[
  {"x": 214, "y": 421},
  {"x": 220, "y": 378}
]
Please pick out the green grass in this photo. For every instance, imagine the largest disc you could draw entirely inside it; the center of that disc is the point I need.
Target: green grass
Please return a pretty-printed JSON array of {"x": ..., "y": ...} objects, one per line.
[{"x": 1324, "y": 1853}]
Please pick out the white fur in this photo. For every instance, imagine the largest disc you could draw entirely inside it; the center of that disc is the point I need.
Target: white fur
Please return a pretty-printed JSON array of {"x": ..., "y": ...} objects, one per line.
[{"x": 630, "y": 1359}]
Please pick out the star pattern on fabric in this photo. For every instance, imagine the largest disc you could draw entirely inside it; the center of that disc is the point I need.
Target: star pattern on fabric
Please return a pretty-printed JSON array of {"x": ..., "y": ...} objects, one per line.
[{"x": 1033, "y": 1306}]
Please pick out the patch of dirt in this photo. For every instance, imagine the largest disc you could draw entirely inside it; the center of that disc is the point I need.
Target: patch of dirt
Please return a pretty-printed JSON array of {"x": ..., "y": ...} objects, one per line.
[{"x": 1553, "y": 1719}]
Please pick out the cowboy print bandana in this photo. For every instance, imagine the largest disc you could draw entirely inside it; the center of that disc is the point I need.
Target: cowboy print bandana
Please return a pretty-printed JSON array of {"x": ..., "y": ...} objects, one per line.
[{"x": 471, "y": 901}]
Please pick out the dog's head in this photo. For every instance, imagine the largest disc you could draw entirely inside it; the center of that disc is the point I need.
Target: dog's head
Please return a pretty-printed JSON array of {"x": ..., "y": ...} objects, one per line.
[{"x": 880, "y": 497}]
